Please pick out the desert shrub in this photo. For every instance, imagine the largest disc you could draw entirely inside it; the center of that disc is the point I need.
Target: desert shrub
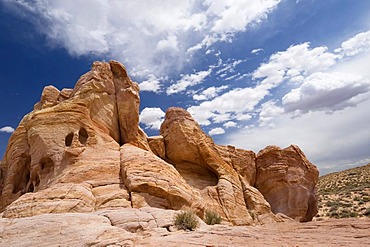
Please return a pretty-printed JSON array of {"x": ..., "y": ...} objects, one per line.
[
  {"x": 212, "y": 218},
  {"x": 333, "y": 209},
  {"x": 367, "y": 212},
  {"x": 343, "y": 214},
  {"x": 334, "y": 215},
  {"x": 343, "y": 204},
  {"x": 353, "y": 214},
  {"x": 186, "y": 220},
  {"x": 332, "y": 204}
]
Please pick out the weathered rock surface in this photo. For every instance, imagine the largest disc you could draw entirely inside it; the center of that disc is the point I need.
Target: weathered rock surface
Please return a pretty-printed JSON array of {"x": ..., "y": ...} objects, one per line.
[
  {"x": 288, "y": 181},
  {"x": 154, "y": 227},
  {"x": 220, "y": 174},
  {"x": 81, "y": 150}
]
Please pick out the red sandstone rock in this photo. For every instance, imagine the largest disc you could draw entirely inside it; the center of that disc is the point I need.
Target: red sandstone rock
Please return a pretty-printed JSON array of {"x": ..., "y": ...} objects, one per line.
[{"x": 288, "y": 181}]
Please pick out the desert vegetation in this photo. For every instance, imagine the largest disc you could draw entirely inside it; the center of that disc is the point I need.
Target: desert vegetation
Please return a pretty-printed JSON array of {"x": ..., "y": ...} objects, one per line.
[
  {"x": 186, "y": 220},
  {"x": 212, "y": 218},
  {"x": 344, "y": 194}
]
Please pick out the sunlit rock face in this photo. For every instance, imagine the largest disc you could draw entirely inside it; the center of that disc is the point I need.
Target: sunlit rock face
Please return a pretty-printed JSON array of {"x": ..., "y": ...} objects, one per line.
[
  {"x": 288, "y": 181},
  {"x": 82, "y": 150}
]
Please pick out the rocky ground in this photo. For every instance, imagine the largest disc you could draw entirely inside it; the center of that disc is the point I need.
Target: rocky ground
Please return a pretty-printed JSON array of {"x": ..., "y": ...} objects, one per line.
[
  {"x": 154, "y": 227},
  {"x": 344, "y": 194}
]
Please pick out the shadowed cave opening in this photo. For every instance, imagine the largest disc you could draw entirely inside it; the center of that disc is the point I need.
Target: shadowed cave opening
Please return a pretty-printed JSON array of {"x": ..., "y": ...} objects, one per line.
[
  {"x": 196, "y": 175},
  {"x": 24, "y": 175},
  {"x": 82, "y": 135},
  {"x": 47, "y": 165},
  {"x": 69, "y": 139}
]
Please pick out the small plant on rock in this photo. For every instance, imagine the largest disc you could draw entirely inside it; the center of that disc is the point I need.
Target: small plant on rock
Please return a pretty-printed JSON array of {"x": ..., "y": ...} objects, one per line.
[
  {"x": 186, "y": 220},
  {"x": 212, "y": 218}
]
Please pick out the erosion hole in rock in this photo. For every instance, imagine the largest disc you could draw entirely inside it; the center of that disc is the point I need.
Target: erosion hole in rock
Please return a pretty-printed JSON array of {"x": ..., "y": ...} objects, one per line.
[
  {"x": 47, "y": 165},
  {"x": 30, "y": 188},
  {"x": 196, "y": 175},
  {"x": 69, "y": 139},
  {"x": 82, "y": 136},
  {"x": 21, "y": 178},
  {"x": 33, "y": 184},
  {"x": 37, "y": 181}
]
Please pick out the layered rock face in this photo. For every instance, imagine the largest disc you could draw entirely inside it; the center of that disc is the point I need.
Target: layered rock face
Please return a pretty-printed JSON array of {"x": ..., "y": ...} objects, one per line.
[{"x": 82, "y": 150}]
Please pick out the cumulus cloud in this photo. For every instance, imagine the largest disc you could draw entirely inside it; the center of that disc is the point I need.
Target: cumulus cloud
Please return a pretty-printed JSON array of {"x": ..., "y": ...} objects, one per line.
[
  {"x": 317, "y": 86},
  {"x": 294, "y": 63},
  {"x": 216, "y": 131},
  {"x": 358, "y": 44},
  {"x": 188, "y": 80},
  {"x": 7, "y": 129},
  {"x": 152, "y": 118},
  {"x": 337, "y": 83},
  {"x": 150, "y": 38},
  {"x": 228, "y": 106},
  {"x": 152, "y": 84},
  {"x": 230, "y": 124},
  {"x": 326, "y": 91},
  {"x": 328, "y": 140},
  {"x": 209, "y": 93},
  {"x": 323, "y": 81},
  {"x": 269, "y": 110},
  {"x": 226, "y": 18}
]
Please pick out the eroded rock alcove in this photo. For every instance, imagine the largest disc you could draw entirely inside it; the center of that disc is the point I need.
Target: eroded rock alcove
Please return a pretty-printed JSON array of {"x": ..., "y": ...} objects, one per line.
[{"x": 82, "y": 150}]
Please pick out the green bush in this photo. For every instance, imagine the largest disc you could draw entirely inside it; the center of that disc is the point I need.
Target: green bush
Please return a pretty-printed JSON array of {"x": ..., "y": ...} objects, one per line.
[
  {"x": 212, "y": 218},
  {"x": 186, "y": 220}
]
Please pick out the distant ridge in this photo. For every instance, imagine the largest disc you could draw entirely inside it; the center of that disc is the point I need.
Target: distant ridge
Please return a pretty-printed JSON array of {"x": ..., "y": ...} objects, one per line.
[{"x": 344, "y": 194}]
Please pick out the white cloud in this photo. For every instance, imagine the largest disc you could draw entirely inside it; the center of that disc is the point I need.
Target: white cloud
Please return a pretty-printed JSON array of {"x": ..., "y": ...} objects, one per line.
[
  {"x": 7, "y": 129},
  {"x": 150, "y": 38},
  {"x": 256, "y": 51},
  {"x": 209, "y": 93},
  {"x": 216, "y": 131},
  {"x": 327, "y": 92},
  {"x": 269, "y": 110},
  {"x": 229, "y": 124},
  {"x": 328, "y": 140},
  {"x": 228, "y": 66},
  {"x": 234, "y": 16},
  {"x": 168, "y": 44},
  {"x": 152, "y": 118},
  {"x": 152, "y": 84},
  {"x": 297, "y": 61},
  {"x": 228, "y": 106},
  {"x": 188, "y": 80},
  {"x": 332, "y": 84},
  {"x": 313, "y": 70},
  {"x": 360, "y": 43}
]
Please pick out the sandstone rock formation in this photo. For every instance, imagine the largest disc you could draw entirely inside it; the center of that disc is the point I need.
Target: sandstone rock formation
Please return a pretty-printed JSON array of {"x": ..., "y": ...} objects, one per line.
[
  {"x": 81, "y": 150},
  {"x": 287, "y": 172}
]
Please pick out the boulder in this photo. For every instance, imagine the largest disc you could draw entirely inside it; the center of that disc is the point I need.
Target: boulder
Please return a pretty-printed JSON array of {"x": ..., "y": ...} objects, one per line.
[{"x": 288, "y": 181}]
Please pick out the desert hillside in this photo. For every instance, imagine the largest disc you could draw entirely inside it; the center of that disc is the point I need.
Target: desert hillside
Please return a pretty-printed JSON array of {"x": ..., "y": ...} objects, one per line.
[{"x": 344, "y": 194}]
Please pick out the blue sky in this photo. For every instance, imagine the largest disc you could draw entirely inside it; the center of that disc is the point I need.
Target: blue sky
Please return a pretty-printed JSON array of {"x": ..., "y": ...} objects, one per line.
[{"x": 253, "y": 73}]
